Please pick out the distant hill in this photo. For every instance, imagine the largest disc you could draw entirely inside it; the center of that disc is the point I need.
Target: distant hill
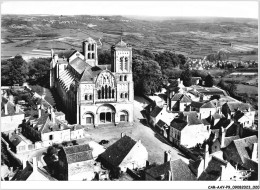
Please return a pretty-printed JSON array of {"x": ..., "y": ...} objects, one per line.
[{"x": 192, "y": 36}]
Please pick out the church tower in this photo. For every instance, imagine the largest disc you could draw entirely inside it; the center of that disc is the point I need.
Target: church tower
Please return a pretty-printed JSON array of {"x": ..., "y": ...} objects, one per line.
[
  {"x": 121, "y": 54},
  {"x": 90, "y": 52}
]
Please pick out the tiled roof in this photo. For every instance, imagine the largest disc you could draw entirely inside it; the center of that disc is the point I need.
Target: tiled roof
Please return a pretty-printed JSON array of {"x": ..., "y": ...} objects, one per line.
[
  {"x": 205, "y": 122},
  {"x": 208, "y": 104},
  {"x": 15, "y": 139},
  {"x": 181, "y": 97},
  {"x": 160, "y": 123},
  {"x": 10, "y": 108},
  {"x": 250, "y": 165},
  {"x": 180, "y": 171},
  {"x": 233, "y": 106},
  {"x": 116, "y": 153},
  {"x": 78, "y": 64},
  {"x": 194, "y": 165},
  {"x": 196, "y": 104},
  {"x": 245, "y": 144},
  {"x": 23, "y": 175},
  {"x": 156, "y": 111},
  {"x": 181, "y": 122},
  {"x": 78, "y": 153},
  {"x": 223, "y": 122},
  {"x": 90, "y": 73},
  {"x": 213, "y": 171}
]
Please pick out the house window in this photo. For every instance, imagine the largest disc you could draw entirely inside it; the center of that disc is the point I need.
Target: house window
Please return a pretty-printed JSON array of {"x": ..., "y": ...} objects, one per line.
[
  {"x": 90, "y": 97},
  {"x": 121, "y": 95},
  {"x": 93, "y": 47},
  {"x": 126, "y": 95},
  {"x": 65, "y": 66},
  {"x": 93, "y": 55},
  {"x": 88, "y": 55},
  {"x": 30, "y": 146},
  {"x": 125, "y": 78},
  {"x": 126, "y": 63},
  {"x": 86, "y": 97},
  {"x": 21, "y": 148},
  {"x": 89, "y": 47},
  {"x": 51, "y": 137}
]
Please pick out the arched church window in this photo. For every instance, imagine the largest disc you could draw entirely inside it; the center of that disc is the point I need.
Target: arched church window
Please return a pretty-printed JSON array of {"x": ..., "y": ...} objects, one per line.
[
  {"x": 121, "y": 63},
  {"x": 126, "y": 63},
  {"x": 126, "y": 95},
  {"x": 120, "y": 78},
  {"x": 99, "y": 94},
  {"x": 109, "y": 92},
  {"x": 86, "y": 97},
  {"x": 121, "y": 95},
  {"x": 102, "y": 92},
  {"x": 92, "y": 47},
  {"x": 90, "y": 97},
  {"x": 113, "y": 93},
  {"x": 88, "y": 55},
  {"x": 93, "y": 56},
  {"x": 125, "y": 77},
  {"x": 89, "y": 47}
]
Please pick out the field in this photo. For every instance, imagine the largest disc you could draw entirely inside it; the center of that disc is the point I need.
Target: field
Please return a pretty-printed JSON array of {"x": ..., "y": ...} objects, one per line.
[{"x": 191, "y": 37}]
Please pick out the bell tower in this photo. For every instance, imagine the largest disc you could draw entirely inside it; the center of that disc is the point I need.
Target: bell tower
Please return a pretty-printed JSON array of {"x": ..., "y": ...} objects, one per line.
[
  {"x": 89, "y": 47},
  {"x": 121, "y": 54}
]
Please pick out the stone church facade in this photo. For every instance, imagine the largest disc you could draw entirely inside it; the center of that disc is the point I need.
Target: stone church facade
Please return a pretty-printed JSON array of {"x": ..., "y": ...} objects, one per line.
[{"x": 94, "y": 94}]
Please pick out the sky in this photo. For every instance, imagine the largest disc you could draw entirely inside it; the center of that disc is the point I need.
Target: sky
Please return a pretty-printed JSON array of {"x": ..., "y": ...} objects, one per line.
[{"x": 242, "y": 9}]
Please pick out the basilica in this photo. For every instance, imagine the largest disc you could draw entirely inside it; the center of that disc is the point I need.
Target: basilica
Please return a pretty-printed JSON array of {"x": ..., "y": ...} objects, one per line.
[{"x": 94, "y": 94}]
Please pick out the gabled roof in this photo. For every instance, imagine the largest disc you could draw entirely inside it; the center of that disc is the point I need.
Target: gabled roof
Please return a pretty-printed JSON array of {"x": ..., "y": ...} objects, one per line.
[
  {"x": 180, "y": 171},
  {"x": 244, "y": 146},
  {"x": 181, "y": 122},
  {"x": 181, "y": 97},
  {"x": 161, "y": 123},
  {"x": 223, "y": 122},
  {"x": 234, "y": 106},
  {"x": 213, "y": 171},
  {"x": 116, "y": 153},
  {"x": 156, "y": 111},
  {"x": 90, "y": 72},
  {"x": 10, "y": 108},
  {"x": 24, "y": 174},
  {"x": 78, "y": 64},
  {"x": 227, "y": 141},
  {"x": 207, "y": 104},
  {"x": 15, "y": 140},
  {"x": 78, "y": 153}
]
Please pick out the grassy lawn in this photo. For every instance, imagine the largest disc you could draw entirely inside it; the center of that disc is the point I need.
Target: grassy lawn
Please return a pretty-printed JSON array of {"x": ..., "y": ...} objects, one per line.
[{"x": 241, "y": 88}]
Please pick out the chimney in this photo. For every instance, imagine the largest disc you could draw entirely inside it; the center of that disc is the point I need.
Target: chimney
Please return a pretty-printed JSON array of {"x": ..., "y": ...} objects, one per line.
[
  {"x": 179, "y": 81},
  {"x": 147, "y": 163},
  {"x": 39, "y": 111},
  {"x": 122, "y": 135},
  {"x": 167, "y": 156},
  {"x": 34, "y": 164},
  {"x": 170, "y": 175},
  {"x": 254, "y": 152},
  {"x": 24, "y": 163},
  {"x": 222, "y": 138},
  {"x": 6, "y": 111},
  {"x": 61, "y": 126},
  {"x": 206, "y": 157},
  {"x": 187, "y": 118},
  {"x": 52, "y": 116},
  {"x": 223, "y": 172},
  {"x": 55, "y": 58},
  {"x": 16, "y": 108}
]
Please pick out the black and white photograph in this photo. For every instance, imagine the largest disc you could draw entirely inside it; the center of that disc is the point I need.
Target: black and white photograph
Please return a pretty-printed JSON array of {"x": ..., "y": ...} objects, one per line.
[{"x": 129, "y": 92}]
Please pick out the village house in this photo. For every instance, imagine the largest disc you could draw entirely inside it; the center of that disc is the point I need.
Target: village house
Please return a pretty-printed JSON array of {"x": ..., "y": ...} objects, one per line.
[
  {"x": 179, "y": 102},
  {"x": 11, "y": 116},
  {"x": 188, "y": 130},
  {"x": 20, "y": 144},
  {"x": 76, "y": 163},
  {"x": 170, "y": 170},
  {"x": 205, "y": 108},
  {"x": 124, "y": 153},
  {"x": 161, "y": 113},
  {"x": 212, "y": 168},
  {"x": 31, "y": 172},
  {"x": 240, "y": 150}
]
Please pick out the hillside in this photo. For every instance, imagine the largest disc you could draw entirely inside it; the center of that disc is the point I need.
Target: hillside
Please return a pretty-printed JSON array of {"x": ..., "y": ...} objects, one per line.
[{"x": 192, "y": 36}]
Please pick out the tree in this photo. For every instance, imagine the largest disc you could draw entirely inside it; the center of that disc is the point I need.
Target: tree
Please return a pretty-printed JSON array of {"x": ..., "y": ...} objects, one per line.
[
  {"x": 104, "y": 57},
  {"x": 14, "y": 71},
  {"x": 209, "y": 81},
  {"x": 186, "y": 77}
]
